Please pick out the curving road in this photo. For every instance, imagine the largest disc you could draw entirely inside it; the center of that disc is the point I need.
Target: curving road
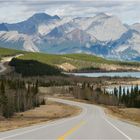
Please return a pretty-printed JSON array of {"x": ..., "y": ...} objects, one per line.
[
  {"x": 91, "y": 124},
  {"x": 2, "y": 67},
  {"x": 7, "y": 59}
]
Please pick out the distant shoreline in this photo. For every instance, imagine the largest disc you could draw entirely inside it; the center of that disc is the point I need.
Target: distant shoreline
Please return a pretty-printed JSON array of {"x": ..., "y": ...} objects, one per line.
[{"x": 101, "y": 71}]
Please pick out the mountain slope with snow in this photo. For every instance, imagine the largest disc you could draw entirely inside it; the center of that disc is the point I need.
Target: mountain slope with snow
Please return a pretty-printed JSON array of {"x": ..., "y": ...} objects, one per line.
[
  {"x": 103, "y": 35},
  {"x": 3, "y": 27},
  {"x": 106, "y": 28},
  {"x": 128, "y": 45},
  {"x": 13, "y": 39},
  {"x": 136, "y": 27},
  {"x": 30, "y": 26}
]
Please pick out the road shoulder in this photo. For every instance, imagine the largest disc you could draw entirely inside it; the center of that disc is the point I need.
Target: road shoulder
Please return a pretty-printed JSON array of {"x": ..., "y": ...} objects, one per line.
[
  {"x": 129, "y": 115},
  {"x": 46, "y": 113}
]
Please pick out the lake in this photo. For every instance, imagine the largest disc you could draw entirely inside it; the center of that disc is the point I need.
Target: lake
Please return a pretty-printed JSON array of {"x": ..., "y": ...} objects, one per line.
[{"x": 108, "y": 74}]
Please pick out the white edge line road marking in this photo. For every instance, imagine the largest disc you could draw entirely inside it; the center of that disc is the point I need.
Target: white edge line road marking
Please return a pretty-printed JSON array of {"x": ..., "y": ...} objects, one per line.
[
  {"x": 117, "y": 128},
  {"x": 53, "y": 123}
]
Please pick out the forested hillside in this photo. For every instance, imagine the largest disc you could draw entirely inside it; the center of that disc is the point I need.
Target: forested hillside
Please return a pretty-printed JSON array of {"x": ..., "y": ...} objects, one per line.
[
  {"x": 74, "y": 62},
  {"x": 33, "y": 68}
]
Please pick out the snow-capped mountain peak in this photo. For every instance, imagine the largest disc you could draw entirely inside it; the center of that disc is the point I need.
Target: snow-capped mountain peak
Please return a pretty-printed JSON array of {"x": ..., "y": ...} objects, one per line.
[
  {"x": 103, "y": 34},
  {"x": 101, "y": 15},
  {"x": 136, "y": 27},
  {"x": 44, "y": 29},
  {"x": 106, "y": 28},
  {"x": 40, "y": 17}
]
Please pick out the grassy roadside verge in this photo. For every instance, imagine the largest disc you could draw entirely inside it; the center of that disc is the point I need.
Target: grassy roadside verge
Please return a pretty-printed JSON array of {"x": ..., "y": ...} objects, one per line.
[
  {"x": 46, "y": 113},
  {"x": 130, "y": 115}
]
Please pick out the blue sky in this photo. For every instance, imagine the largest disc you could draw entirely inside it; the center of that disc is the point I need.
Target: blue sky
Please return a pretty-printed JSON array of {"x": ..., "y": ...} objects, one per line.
[{"x": 17, "y": 10}]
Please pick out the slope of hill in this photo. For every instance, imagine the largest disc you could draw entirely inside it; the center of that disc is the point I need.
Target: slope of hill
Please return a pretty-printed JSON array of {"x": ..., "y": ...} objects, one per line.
[
  {"x": 9, "y": 52},
  {"x": 76, "y": 62},
  {"x": 28, "y": 67}
]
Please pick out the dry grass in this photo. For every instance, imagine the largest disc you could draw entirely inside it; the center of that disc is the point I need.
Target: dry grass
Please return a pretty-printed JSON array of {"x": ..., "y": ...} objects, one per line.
[
  {"x": 50, "y": 111},
  {"x": 131, "y": 115},
  {"x": 67, "y": 67},
  {"x": 135, "y": 82}
]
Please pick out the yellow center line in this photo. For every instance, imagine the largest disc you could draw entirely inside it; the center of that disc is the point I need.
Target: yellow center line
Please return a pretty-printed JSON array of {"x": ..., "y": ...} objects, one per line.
[{"x": 69, "y": 132}]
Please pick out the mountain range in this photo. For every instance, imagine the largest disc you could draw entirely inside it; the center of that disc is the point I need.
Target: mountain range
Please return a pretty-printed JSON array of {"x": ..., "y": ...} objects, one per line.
[{"x": 103, "y": 35}]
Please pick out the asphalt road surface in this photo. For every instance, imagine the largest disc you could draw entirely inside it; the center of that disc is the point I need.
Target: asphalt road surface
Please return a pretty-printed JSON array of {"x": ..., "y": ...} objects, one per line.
[{"x": 90, "y": 124}]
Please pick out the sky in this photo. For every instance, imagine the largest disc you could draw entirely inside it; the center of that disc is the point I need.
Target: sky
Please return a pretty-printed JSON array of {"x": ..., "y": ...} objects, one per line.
[{"x": 12, "y": 11}]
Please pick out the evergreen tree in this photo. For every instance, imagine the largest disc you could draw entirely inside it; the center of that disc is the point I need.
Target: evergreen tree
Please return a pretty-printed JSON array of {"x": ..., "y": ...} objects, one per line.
[
  {"x": 116, "y": 92},
  {"x": 120, "y": 93},
  {"x": 14, "y": 97},
  {"x": 123, "y": 96}
]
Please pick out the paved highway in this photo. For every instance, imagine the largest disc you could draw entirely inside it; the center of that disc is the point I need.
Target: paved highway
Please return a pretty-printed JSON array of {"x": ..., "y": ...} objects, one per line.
[{"x": 91, "y": 124}]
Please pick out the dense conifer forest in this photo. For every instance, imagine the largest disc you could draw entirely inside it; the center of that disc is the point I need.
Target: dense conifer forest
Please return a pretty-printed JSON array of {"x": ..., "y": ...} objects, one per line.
[
  {"x": 96, "y": 94},
  {"x": 33, "y": 68},
  {"x": 18, "y": 96}
]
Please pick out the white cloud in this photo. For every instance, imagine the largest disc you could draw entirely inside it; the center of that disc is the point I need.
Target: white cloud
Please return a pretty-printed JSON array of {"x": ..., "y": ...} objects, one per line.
[
  {"x": 13, "y": 13},
  {"x": 18, "y": 10}
]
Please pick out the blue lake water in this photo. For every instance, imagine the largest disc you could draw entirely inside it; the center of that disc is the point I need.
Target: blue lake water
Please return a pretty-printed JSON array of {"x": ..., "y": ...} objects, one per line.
[{"x": 109, "y": 74}]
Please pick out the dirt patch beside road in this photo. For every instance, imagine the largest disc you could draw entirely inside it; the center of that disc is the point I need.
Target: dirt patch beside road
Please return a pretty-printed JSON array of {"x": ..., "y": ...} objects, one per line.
[{"x": 49, "y": 112}]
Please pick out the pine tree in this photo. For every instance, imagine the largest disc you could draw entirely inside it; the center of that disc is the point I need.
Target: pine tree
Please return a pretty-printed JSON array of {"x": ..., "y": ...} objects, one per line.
[
  {"x": 120, "y": 93},
  {"x": 123, "y": 96},
  {"x": 6, "y": 110},
  {"x": 116, "y": 92},
  {"x": 2, "y": 87}
]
